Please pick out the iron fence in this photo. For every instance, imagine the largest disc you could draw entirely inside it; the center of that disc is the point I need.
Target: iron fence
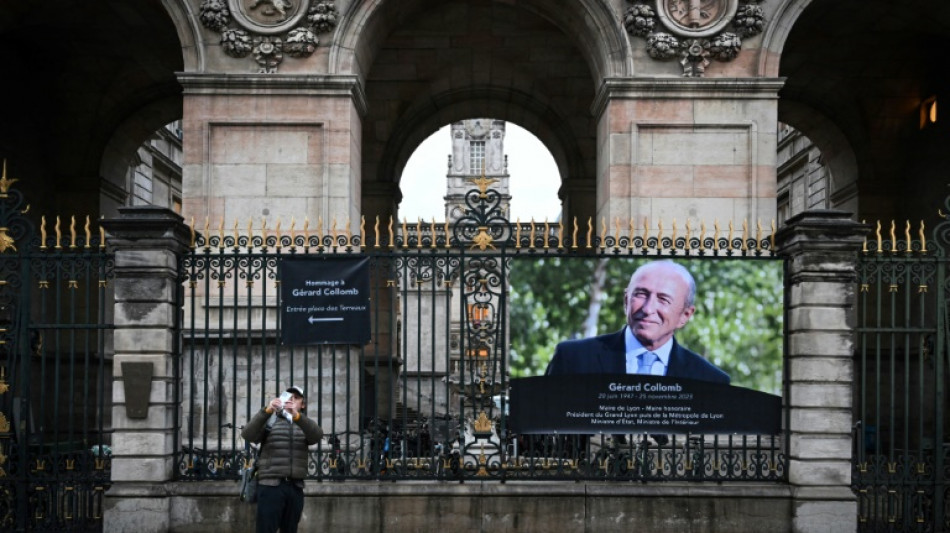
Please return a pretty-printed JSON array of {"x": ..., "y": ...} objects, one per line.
[
  {"x": 425, "y": 398},
  {"x": 55, "y": 371},
  {"x": 901, "y": 451}
]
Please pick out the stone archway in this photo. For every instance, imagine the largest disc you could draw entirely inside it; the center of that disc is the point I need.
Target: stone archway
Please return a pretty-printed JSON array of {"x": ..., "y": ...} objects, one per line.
[{"x": 432, "y": 63}]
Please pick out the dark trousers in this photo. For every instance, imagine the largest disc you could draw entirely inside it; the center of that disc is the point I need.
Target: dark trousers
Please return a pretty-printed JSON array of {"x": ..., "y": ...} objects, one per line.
[{"x": 279, "y": 507}]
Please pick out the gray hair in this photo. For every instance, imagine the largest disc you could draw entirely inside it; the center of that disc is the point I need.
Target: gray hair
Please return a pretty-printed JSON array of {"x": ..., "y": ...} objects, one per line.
[{"x": 679, "y": 269}]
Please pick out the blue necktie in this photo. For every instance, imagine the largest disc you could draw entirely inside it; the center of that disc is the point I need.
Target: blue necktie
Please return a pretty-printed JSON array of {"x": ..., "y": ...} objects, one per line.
[{"x": 646, "y": 362}]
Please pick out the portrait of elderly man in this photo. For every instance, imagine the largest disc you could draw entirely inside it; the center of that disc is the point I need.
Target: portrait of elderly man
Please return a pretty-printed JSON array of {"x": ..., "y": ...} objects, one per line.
[{"x": 658, "y": 301}]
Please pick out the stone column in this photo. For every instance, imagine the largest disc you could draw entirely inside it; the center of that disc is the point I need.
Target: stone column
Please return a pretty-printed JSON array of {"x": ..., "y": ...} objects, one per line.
[
  {"x": 147, "y": 241},
  {"x": 822, "y": 248}
]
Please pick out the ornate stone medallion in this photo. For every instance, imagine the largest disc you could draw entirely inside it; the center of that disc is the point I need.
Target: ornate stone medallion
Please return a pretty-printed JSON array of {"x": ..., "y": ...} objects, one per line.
[
  {"x": 269, "y": 28},
  {"x": 696, "y": 18},
  {"x": 694, "y": 30},
  {"x": 268, "y": 16}
]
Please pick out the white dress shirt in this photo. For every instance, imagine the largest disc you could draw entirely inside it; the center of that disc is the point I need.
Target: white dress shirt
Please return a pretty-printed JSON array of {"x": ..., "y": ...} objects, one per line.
[{"x": 634, "y": 349}]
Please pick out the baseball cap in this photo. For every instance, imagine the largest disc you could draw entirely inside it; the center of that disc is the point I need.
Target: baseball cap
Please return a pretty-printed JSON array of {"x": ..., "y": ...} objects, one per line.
[{"x": 296, "y": 390}]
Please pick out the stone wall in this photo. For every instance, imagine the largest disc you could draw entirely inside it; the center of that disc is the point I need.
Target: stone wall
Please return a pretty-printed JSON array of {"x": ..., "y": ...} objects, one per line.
[{"x": 491, "y": 506}]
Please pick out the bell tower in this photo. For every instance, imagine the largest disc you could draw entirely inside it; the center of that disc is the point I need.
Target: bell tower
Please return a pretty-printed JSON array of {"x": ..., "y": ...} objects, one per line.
[{"x": 478, "y": 149}]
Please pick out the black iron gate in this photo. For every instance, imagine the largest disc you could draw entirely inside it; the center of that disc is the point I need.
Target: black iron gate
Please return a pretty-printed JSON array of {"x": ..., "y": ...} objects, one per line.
[
  {"x": 902, "y": 450},
  {"x": 55, "y": 375},
  {"x": 426, "y": 397}
]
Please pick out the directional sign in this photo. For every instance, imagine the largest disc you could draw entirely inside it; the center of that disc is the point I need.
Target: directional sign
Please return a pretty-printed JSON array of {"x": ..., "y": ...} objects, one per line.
[{"x": 324, "y": 300}]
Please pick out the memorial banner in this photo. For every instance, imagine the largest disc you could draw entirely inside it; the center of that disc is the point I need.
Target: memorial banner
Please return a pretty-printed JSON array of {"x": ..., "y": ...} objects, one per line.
[
  {"x": 324, "y": 300},
  {"x": 633, "y": 403}
]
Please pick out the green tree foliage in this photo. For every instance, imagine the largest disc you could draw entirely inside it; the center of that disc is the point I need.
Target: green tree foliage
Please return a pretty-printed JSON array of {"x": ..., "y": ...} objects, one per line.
[{"x": 738, "y": 324}]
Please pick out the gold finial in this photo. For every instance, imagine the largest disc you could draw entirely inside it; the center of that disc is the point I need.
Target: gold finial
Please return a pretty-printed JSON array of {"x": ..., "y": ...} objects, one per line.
[
  {"x": 102, "y": 238},
  {"x": 731, "y": 229},
  {"x": 518, "y": 233},
  {"x": 646, "y": 232},
  {"x": 392, "y": 236},
  {"x": 405, "y": 233},
  {"x": 72, "y": 232},
  {"x": 772, "y": 237},
  {"x": 277, "y": 234},
  {"x": 716, "y": 235},
  {"x": 659, "y": 234},
  {"x": 333, "y": 231},
  {"x": 320, "y": 231},
  {"x": 237, "y": 236},
  {"x": 4, "y": 182},
  {"x": 349, "y": 233},
  {"x": 59, "y": 235},
  {"x": 689, "y": 231},
  {"x": 880, "y": 241},
  {"x": 376, "y": 232},
  {"x": 306, "y": 233},
  {"x": 758, "y": 234},
  {"x": 702, "y": 235},
  {"x": 603, "y": 233},
  {"x": 482, "y": 182},
  {"x": 448, "y": 241},
  {"x": 532, "y": 234},
  {"x": 418, "y": 232},
  {"x": 263, "y": 233},
  {"x": 633, "y": 233},
  {"x": 893, "y": 236},
  {"x": 616, "y": 232},
  {"x": 547, "y": 231},
  {"x": 560, "y": 234},
  {"x": 88, "y": 229},
  {"x": 745, "y": 234},
  {"x": 574, "y": 235},
  {"x": 674, "y": 233},
  {"x": 221, "y": 233},
  {"x": 907, "y": 236},
  {"x": 207, "y": 234},
  {"x": 43, "y": 232},
  {"x": 362, "y": 232},
  {"x": 250, "y": 233},
  {"x": 590, "y": 231},
  {"x": 923, "y": 238}
]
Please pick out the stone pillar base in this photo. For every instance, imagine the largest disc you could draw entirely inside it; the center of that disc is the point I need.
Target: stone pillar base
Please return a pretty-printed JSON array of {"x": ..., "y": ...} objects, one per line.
[{"x": 137, "y": 507}]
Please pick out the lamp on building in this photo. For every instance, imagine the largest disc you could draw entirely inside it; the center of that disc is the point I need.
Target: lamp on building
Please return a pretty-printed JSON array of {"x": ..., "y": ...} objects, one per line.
[{"x": 928, "y": 112}]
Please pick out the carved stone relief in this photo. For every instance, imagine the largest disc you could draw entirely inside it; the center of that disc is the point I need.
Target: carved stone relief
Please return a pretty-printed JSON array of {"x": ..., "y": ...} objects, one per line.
[
  {"x": 268, "y": 29},
  {"x": 694, "y": 30}
]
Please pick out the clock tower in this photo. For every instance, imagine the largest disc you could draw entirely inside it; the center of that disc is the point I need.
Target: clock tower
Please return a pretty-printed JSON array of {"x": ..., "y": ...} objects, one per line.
[{"x": 478, "y": 148}]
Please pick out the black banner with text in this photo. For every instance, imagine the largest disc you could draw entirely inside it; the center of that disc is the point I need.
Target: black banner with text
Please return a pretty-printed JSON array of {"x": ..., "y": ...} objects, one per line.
[
  {"x": 324, "y": 300},
  {"x": 631, "y": 403}
]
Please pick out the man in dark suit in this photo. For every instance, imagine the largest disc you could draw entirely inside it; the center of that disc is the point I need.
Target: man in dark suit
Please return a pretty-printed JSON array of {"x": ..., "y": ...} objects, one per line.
[{"x": 657, "y": 302}]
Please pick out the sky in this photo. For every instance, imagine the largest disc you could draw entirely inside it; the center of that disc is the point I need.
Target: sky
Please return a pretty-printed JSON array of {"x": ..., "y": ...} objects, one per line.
[{"x": 533, "y": 183}]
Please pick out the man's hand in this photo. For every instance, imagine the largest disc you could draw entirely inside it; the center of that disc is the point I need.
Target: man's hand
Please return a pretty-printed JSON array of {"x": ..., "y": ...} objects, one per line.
[
  {"x": 291, "y": 409},
  {"x": 276, "y": 405}
]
